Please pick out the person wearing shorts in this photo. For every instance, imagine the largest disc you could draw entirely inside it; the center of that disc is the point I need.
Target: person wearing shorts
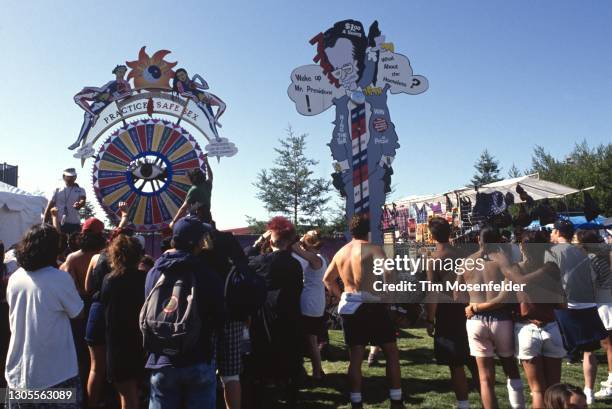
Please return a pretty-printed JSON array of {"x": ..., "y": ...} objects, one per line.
[
  {"x": 365, "y": 321},
  {"x": 538, "y": 340},
  {"x": 312, "y": 300},
  {"x": 598, "y": 254},
  {"x": 489, "y": 326},
  {"x": 580, "y": 324},
  {"x": 491, "y": 333},
  {"x": 446, "y": 320},
  {"x": 369, "y": 325}
]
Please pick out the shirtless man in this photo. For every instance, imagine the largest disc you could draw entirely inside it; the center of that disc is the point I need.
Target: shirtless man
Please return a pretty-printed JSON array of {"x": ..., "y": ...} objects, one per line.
[
  {"x": 364, "y": 322},
  {"x": 489, "y": 326},
  {"x": 91, "y": 242},
  {"x": 446, "y": 319}
]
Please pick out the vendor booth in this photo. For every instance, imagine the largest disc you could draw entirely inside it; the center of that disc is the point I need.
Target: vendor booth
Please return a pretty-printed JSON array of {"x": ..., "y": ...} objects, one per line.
[
  {"x": 19, "y": 210},
  {"x": 467, "y": 208}
]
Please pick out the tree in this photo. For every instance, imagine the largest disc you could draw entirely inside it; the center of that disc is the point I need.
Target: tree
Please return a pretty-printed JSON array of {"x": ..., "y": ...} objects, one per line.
[
  {"x": 87, "y": 211},
  {"x": 289, "y": 187},
  {"x": 514, "y": 172},
  {"x": 583, "y": 167},
  {"x": 256, "y": 226},
  {"x": 487, "y": 170}
]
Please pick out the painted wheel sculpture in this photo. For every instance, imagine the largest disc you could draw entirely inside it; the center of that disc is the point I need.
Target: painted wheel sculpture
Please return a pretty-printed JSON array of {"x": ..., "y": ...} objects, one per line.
[{"x": 145, "y": 164}]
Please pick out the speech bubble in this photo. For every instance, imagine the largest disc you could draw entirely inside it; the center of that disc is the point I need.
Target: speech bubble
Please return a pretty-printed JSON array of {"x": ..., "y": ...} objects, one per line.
[
  {"x": 394, "y": 69},
  {"x": 85, "y": 151},
  {"x": 311, "y": 90},
  {"x": 221, "y": 147}
]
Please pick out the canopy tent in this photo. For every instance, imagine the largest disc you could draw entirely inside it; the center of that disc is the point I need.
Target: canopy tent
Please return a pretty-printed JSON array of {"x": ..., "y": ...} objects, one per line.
[
  {"x": 537, "y": 188},
  {"x": 19, "y": 210}
]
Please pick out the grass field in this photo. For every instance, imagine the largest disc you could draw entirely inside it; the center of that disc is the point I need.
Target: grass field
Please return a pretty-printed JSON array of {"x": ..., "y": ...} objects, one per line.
[{"x": 424, "y": 384}]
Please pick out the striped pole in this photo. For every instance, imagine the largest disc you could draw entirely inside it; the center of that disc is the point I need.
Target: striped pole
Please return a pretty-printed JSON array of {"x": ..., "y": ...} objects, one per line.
[{"x": 360, "y": 160}]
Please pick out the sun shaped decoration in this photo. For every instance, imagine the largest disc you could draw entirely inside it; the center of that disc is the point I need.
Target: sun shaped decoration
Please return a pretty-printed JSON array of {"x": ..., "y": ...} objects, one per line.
[{"x": 151, "y": 72}]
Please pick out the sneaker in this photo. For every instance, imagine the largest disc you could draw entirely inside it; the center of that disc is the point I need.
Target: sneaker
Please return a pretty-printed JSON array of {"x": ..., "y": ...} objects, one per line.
[
  {"x": 589, "y": 398},
  {"x": 603, "y": 393},
  {"x": 606, "y": 384}
]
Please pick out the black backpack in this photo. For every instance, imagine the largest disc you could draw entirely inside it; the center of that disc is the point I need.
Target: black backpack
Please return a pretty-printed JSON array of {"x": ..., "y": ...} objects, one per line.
[
  {"x": 244, "y": 292},
  {"x": 170, "y": 321}
]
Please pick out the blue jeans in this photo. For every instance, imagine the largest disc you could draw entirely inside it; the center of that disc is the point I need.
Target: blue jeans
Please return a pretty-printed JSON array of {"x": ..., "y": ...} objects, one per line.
[{"x": 191, "y": 387}]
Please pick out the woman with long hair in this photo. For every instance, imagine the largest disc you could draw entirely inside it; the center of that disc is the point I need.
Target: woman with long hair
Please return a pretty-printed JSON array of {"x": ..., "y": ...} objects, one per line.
[
  {"x": 196, "y": 90},
  {"x": 95, "y": 337},
  {"x": 122, "y": 297}
]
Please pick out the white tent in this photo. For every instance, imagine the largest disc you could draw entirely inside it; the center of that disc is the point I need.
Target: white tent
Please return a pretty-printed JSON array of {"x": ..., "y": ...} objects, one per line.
[
  {"x": 19, "y": 210},
  {"x": 537, "y": 188}
]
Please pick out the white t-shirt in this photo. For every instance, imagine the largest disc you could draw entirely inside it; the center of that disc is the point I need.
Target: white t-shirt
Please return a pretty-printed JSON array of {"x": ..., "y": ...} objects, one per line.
[
  {"x": 41, "y": 352},
  {"x": 64, "y": 198},
  {"x": 312, "y": 301}
]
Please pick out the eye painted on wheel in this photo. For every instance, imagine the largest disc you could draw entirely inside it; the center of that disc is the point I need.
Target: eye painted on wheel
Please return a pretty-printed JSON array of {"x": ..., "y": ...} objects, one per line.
[{"x": 147, "y": 171}]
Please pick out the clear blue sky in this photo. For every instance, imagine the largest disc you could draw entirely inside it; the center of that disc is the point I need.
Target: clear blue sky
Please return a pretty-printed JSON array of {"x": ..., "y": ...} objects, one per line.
[{"x": 504, "y": 75}]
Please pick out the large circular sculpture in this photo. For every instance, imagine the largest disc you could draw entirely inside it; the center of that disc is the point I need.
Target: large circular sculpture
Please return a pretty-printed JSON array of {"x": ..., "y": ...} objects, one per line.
[{"x": 145, "y": 164}]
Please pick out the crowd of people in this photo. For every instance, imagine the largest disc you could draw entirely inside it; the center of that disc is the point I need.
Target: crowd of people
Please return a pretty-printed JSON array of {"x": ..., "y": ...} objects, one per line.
[
  {"x": 88, "y": 310},
  {"x": 563, "y": 311}
]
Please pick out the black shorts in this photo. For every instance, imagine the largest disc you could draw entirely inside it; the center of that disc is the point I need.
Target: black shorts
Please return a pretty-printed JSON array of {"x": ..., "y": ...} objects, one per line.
[
  {"x": 450, "y": 338},
  {"x": 370, "y": 324},
  {"x": 313, "y": 325}
]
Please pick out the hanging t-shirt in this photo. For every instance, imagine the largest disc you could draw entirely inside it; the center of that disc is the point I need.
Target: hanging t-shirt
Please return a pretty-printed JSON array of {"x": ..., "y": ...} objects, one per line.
[
  {"x": 312, "y": 300},
  {"x": 64, "y": 198},
  {"x": 41, "y": 352}
]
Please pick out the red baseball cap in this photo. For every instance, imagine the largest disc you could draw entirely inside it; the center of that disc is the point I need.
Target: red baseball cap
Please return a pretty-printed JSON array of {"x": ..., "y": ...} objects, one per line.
[{"x": 92, "y": 225}]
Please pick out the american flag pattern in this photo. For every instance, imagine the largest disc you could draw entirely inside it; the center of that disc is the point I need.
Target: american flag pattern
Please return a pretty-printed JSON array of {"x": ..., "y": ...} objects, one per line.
[
  {"x": 360, "y": 160},
  {"x": 380, "y": 124}
]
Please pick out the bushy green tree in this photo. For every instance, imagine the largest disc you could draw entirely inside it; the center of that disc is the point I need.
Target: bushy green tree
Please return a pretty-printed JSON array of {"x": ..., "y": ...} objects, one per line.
[
  {"x": 583, "y": 167},
  {"x": 87, "y": 211},
  {"x": 487, "y": 170},
  {"x": 514, "y": 172},
  {"x": 289, "y": 187}
]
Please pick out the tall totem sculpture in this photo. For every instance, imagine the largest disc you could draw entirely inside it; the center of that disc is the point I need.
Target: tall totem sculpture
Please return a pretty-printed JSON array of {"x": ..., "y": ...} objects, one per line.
[{"x": 355, "y": 72}]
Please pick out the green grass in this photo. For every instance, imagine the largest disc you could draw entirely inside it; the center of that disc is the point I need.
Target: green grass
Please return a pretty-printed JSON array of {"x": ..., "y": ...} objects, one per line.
[{"x": 424, "y": 384}]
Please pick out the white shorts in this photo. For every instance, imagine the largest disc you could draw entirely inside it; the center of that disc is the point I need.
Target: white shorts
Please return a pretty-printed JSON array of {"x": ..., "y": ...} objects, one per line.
[
  {"x": 533, "y": 341},
  {"x": 486, "y": 337},
  {"x": 605, "y": 313}
]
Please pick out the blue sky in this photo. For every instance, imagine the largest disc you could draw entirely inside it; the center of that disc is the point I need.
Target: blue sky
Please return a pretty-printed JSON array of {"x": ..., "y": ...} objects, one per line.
[{"x": 504, "y": 75}]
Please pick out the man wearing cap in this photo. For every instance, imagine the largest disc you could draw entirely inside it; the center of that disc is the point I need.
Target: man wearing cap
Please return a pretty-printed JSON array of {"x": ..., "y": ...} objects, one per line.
[
  {"x": 188, "y": 380},
  {"x": 68, "y": 201}
]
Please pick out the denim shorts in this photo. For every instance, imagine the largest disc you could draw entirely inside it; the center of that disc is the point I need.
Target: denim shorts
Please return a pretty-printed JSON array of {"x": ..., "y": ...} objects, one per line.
[
  {"x": 95, "y": 332},
  {"x": 532, "y": 341}
]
